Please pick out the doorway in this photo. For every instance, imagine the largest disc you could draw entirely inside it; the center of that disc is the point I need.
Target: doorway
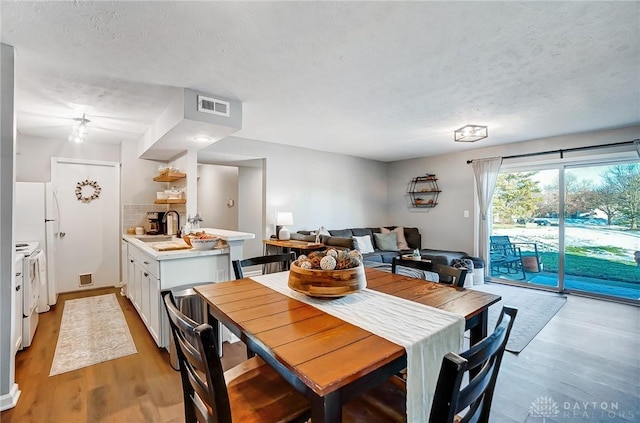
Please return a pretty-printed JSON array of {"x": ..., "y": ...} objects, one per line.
[
  {"x": 88, "y": 244},
  {"x": 240, "y": 205}
]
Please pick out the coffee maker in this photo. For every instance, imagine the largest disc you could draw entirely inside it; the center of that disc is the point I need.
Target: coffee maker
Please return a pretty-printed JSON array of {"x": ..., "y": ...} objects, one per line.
[{"x": 156, "y": 226}]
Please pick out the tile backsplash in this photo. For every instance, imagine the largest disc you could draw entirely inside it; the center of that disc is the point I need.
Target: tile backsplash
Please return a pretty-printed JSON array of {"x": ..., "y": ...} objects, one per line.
[{"x": 136, "y": 214}]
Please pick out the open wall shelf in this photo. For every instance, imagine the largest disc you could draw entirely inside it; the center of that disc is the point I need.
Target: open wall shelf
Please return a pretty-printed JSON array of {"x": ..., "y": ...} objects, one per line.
[
  {"x": 423, "y": 191},
  {"x": 169, "y": 177}
]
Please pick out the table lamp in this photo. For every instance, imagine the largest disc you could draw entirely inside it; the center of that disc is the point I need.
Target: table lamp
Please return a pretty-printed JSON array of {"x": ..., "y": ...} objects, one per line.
[{"x": 282, "y": 219}]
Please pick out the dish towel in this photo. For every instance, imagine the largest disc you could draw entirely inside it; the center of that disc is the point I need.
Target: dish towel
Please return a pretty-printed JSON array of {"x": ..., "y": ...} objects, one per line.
[{"x": 426, "y": 333}]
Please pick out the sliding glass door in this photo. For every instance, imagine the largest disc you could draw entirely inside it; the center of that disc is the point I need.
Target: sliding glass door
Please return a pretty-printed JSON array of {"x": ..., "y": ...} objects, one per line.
[
  {"x": 569, "y": 228},
  {"x": 602, "y": 208},
  {"x": 524, "y": 241}
]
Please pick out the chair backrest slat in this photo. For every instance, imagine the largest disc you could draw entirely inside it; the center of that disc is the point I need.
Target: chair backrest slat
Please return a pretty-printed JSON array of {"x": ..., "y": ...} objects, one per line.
[
  {"x": 475, "y": 398},
  {"x": 204, "y": 389},
  {"x": 451, "y": 275},
  {"x": 448, "y": 275},
  {"x": 284, "y": 259}
]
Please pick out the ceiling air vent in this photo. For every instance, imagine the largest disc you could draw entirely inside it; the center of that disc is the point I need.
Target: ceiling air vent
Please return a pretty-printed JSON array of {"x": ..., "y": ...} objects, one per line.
[{"x": 213, "y": 106}]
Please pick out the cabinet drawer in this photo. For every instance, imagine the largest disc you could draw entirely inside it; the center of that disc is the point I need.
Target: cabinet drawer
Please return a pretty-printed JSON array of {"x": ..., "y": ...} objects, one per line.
[{"x": 148, "y": 263}]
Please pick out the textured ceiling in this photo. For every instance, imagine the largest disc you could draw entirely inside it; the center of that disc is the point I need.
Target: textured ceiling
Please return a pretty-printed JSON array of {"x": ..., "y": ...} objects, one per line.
[{"x": 380, "y": 80}]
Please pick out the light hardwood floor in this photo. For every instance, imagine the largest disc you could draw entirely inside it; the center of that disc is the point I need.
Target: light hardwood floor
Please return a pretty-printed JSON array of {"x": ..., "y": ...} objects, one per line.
[
  {"x": 585, "y": 359},
  {"x": 138, "y": 388}
]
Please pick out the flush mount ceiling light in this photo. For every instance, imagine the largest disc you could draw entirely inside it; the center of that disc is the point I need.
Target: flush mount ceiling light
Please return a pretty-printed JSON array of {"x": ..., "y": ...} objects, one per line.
[
  {"x": 79, "y": 133},
  {"x": 202, "y": 139},
  {"x": 470, "y": 133}
]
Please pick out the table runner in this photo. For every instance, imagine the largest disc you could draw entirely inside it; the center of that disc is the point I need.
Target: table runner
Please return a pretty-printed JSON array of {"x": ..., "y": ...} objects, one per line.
[{"x": 426, "y": 333}]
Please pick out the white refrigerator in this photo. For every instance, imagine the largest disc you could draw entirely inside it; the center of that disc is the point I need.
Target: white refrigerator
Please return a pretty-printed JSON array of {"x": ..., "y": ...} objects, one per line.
[{"x": 36, "y": 219}]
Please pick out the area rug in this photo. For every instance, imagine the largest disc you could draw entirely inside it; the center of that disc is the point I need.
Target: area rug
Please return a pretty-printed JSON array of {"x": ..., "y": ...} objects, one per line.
[
  {"x": 535, "y": 310},
  {"x": 93, "y": 330}
]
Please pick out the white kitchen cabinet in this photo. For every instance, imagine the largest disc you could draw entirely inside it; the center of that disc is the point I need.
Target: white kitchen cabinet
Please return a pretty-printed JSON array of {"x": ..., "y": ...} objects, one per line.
[
  {"x": 148, "y": 277},
  {"x": 144, "y": 291},
  {"x": 134, "y": 282},
  {"x": 124, "y": 259},
  {"x": 156, "y": 312},
  {"x": 145, "y": 279}
]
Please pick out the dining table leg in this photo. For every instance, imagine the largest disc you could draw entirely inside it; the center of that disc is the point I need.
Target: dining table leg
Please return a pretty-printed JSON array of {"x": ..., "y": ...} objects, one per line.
[
  {"x": 479, "y": 331},
  {"x": 217, "y": 330},
  {"x": 326, "y": 409}
]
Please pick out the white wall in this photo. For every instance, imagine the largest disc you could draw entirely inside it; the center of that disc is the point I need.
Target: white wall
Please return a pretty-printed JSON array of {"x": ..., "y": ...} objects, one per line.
[
  {"x": 137, "y": 176},
  {"x": 33, "y": 157},
  {"x": 250, "y": 206},
  {"x": 444, "y": 226},
  {"x": 333, "y": 190},
  {"x": 216, "y": 186},
  {"x": 8, "y": 388}
]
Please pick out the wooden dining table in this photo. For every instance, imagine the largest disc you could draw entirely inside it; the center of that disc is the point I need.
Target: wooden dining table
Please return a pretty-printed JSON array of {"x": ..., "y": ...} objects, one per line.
[{"x": 325, "y": 358}]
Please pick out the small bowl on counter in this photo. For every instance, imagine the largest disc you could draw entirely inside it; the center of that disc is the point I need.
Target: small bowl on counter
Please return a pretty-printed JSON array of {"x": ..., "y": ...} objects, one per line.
[
  {"x": 194, "y": 235},
  {"x": 204, "y": 243},
  {"x": 188, "y": 237}
]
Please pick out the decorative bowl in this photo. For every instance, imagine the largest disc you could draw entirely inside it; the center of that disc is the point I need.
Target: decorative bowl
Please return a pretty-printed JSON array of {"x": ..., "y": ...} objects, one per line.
[
  {"x": 327, "y": 283},
  {"x": 187, "y": 239},
  {"x": 204, "y": 243}
]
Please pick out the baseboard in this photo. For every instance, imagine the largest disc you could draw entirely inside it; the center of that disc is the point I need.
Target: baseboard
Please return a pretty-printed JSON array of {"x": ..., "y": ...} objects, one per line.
[{"x": 10, "y": 400}]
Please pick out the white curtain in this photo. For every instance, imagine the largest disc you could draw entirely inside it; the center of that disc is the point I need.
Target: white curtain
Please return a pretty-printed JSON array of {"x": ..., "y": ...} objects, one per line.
[{"x": 486, "y": 173}]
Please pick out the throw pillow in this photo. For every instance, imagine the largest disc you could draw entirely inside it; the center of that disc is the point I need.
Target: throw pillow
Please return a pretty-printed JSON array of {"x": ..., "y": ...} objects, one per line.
[
  {"x": 336, "y": 241},
  {"x": 363, "y": 244},
  {"x": 401, "y": 240},
  {"x": 386, "y": 242},
  {"x": 324, "y": 231},
  {"x": 462, "y": 264}
]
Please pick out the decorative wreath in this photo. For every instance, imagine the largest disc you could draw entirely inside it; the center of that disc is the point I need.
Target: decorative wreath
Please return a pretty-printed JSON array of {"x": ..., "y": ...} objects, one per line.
[{"x": 87, "y": 183}]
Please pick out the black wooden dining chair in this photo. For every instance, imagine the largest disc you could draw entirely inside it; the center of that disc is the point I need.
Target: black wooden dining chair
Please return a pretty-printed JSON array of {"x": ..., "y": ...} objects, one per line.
[
  {"x": 250, "y": 392},
  {"x": 447, "y": 274},
  {"x": 451, "y": 275},
  {"x": 283, "y": 261},
  {"x": 452, "y": 402}
]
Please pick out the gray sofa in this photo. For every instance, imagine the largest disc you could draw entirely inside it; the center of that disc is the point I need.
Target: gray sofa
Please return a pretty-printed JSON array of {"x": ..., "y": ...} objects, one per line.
[{"x": 343, "y": 238}]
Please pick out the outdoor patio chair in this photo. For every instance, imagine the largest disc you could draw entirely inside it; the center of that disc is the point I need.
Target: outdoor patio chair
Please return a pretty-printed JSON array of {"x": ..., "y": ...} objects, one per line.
[
  {"x": 505, "y": 257},
  {"x": 531, "y": 260}
]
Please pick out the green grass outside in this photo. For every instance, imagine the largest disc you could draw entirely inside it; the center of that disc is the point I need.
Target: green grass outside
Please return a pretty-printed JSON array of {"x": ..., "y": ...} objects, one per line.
[{"x": 580, "y": 265}]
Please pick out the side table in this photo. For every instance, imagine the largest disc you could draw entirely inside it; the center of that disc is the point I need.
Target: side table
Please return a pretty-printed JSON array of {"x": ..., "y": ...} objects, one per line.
[{"x": 276, "y": 246}]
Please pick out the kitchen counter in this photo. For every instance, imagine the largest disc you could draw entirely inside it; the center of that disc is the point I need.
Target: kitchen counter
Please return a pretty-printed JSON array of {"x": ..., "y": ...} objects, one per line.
[
  {"x": 228, "y": 235},
  {"x": 231, "y": 238},
  {"x": 148, "y": 272},
  {"x": 146, "y": 246}
]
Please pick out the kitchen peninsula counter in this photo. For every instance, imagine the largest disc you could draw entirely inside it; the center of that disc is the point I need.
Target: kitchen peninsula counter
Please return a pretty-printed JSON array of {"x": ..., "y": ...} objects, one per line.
[
  {"x": 148, "y": 272},
  {"x": 146, "y": 246},
  {"x": 232, "y": 239}
]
